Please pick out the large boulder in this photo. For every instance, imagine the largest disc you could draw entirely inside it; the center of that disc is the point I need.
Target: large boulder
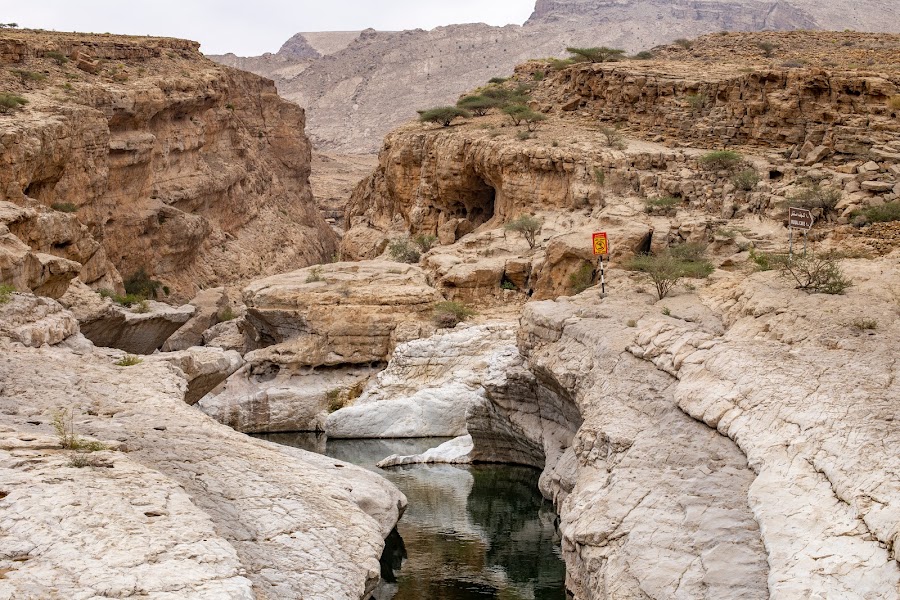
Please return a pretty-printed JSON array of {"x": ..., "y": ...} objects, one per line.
[
  {"x": 210, "y": 304},
  {"x": 337, "y": 314},
  {"x": 35, "y": 321},
  {"x": 204, "y": 368}
]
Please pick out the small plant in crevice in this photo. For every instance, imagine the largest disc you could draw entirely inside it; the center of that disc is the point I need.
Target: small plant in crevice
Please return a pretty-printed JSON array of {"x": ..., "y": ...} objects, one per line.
[
  {"x": 450, "y": 313},
  {"x": 662, "y": 205},
  {"x": 527, "y": 226},
  {"x": 128, "y": 360},
  {"x": 506, "y": 284},
  {"x": 335, "y": 400},
  {"x": 599, "y": 176},
  {"x": 64, "y": 426},
  {"x": 226, "y": 314},
  {"x": 582, "y": 278},
  {"x": 865, "y": 324},
  {"x": 315, "y": 275},
  {"x": 697, "y": 102},
  {"x": 65, "y": 207},
  {"x": 666, "y": 311},
  {"x": 6, "y": 292},
  {"x": 631, "y": 323}
]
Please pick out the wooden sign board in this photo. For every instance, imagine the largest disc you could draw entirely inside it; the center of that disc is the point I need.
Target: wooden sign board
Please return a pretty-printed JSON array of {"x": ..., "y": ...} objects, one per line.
[
  {"x": 601, "y": 244},
  {"x": 800, "y": 218}
]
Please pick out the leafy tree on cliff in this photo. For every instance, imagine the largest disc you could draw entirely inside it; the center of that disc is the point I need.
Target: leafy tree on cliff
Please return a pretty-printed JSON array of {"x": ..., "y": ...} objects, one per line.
[
  {"x": 479, "y": 105},
  {"x": 596, "y": 55},
  {"x": 443, "y": 115},
  {"x": 527, "y": 226}
]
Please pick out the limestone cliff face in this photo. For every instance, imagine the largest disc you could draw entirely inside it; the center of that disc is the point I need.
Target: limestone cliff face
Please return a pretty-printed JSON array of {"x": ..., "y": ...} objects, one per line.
[{"x": 194, "y": 172}]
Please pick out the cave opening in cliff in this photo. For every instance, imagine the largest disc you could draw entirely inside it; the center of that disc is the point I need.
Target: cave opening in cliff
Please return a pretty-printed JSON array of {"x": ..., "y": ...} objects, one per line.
[
  {"x": 475, "y": 203},
  {"x": 646, "y": 243}
]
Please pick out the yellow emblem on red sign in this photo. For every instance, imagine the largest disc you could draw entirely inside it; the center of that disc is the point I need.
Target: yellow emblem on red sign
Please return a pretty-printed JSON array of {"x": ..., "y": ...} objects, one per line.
[{"x": 601, "y": 244}]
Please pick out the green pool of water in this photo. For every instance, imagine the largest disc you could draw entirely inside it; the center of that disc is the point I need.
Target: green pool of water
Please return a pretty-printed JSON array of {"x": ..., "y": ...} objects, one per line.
[{"x": 470, "y": 533}]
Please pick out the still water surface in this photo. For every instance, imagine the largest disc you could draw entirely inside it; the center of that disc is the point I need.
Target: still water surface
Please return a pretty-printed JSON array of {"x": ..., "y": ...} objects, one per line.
[{"x": 480, "y": 532}]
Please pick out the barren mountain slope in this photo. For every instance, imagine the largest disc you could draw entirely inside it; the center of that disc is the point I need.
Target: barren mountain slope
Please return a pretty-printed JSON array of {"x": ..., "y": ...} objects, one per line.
[{"x": 357, "y": 94}]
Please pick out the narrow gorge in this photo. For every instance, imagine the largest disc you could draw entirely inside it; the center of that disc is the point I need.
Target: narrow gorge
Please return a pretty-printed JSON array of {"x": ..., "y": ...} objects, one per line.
[{"x": 208, "y": 391}]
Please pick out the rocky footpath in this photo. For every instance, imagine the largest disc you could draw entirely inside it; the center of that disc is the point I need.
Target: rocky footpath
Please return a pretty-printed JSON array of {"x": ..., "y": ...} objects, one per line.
[
  {"x": 140, "y": 154},
  {"x": 153, "y": 498}
]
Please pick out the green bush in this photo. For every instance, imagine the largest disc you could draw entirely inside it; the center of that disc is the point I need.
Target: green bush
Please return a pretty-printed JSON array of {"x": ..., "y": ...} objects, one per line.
[
  {"x": 498, "y": 80},
  {"x": 126, "y": 300},
  {"x": 425, "y": 241},
  {"x": 746, "y": 180},
  {"x": 449, "y": 313},
  {"x": 403, "y": 250},
  {"x": 226, "y": 314},
  {"x": 814, "y": 195},
  {"x": 444, "y": 115},
  {"x": 613, "y": 137},
  {"x": 523, "y": 135},
  {"x": 27, "y": 77},
  {"x": 508, "y": 97},
  {"x": 816, "y": 273},
  {"x": 582, "y": 278},
  {"x": 697, "y": 102},
  {"x": 865, "y": 324},
  {"x": 526, "y": 225},
  {"x": 880, "y": 214},
  {"x": 662, "y": 204},
  {"x": 667, "y": 269},
  {"x": 58, "y": 57},
  {"x": 557, "y": 64},
  {"x": 517, "y": 112},
  {"x": 766, "y": 261},
  {"x": 596, "y": 55},
  {"x": 506, "y": 284},
  {"x": 129, "y": 361},
  {"x": 478, "y": 105},
  {"x": 315, "y": 275},
  {"x": 720, "y": 159},
  {"x": 334, "y": 400},
  {"x": 66, "y": 207},
  {"x": 11, "y": 102},
  {"x": 643, "y": 55},
  {"x": 140, "y": 284},
  {"x": 6, "y": 292},
  {"x": 684, "y": 43},
  {"x": 538, "y": 75},
  {"x": 768, "y": 49}
]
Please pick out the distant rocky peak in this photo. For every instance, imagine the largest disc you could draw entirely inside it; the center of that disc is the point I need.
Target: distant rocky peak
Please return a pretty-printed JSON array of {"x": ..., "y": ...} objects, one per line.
[{"x": 298, "y": 47}]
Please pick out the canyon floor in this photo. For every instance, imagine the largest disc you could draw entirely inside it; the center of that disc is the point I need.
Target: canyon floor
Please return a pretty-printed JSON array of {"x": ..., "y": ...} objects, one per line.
[{"x": 728, "y": 439}]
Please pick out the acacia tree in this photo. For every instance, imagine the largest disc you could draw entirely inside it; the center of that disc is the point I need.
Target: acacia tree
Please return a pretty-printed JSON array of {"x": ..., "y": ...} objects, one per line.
[
  {"x": 526, "y": 225},
  {"x": 443, "y": 115},
  {"x": 479, "y": 105},
  {"x": 596, "y": 55}
]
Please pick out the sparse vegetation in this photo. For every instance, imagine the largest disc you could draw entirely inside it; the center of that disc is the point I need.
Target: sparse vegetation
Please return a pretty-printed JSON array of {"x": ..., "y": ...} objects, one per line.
[
  {"x": 140, "y": 284},
  {"x": 9, "y": 25},
  {"x": 667, "y": 269},
  {"x": 129, "y": 361},
  {"x": 508, "y": 97},
  {"x": 315, "y": 275},
  {"x": 538, "y": 75},
  {"x": 631, "y": 323},
  {"x": 865, "y": 324},
  {"x": 478, "y": 105},
  {"x": 768, "y": 49},
  {"x": 524, "y": 135},
  {"x": 506, "y": 284},
  {"x": 449, "y": 314},
  {"x": 404, "y": 250},
  {"x": 58, "y": 57},
  {"x": 766, "y": 261},
  {"x": 64, "y": 425},
  {"x": 613, "y": 137},
  {"x": 520, "y": 113},
  {"x": 425, "y": 241},
  {"x": 27, "y": 77},
  {"x": 719, "y": 160},
  {"x": 643, "y": 55},
  {"x": 66, "y": 207},
  {"x": 596, "y": 55},
  {"x": 498, "y": 80},
  {"x": 526, "y": 225},
  {"x": 697, "y": 102},
  {"x": 445, "y": 115},
  {"x": 746, "y": 180},
  {"x": 666, "y": 311},
  {"x": 11, "y": 102},
  {"x": 599, "y": 176},
  {"x": 6, "y": 292},
  {"x": 334, "y": 400},
  {"x": 128, "y": 300},
  {"x": 878, "y": 214},
  {"x": 226, "y": 314},
  {"x": 557, "y": 64},
  {"x": 662, "y": 204},
  {"x": 816, "y": 273},
  {"x": 814, "y": 195},
  {"x": 684, "y": 43},
  {"x": 582, "y": 278}
]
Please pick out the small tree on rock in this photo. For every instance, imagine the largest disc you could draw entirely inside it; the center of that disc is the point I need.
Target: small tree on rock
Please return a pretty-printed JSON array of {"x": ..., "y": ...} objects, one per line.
[
  {"x": 479, "y": 105},
  {"x": 596, "y": 55},
  {"x": 526, "y": 225},
  {"x": 668, "y": 268},
  {"x": 443, "y": 115}
]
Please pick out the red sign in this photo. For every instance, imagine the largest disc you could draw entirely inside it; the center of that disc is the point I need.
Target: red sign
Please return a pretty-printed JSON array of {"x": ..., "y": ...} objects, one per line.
[{"x": 601, "y": 244}]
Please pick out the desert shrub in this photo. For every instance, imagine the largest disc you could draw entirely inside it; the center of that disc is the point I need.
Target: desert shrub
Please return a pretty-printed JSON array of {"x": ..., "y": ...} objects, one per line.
[
  {"x": 557, "y": 64},
  {"x": 315, "y": 275},
  {"x": 768, "y": 48},
  {"x": 524, "y": 135},
  {"x": 128, "y": 361},
  {"x": 443, "y": 115},
  {"x": 746, "y": 180},
  {"x": 613, "y": 138},
  {"x": 508, "y": 97},
  {"x": 766, "y": 261},
  {"x": 58, "y": 57},
  {"x": 140, "y": 284},
  {"x": 667, "y": 269},
  {"x": 689, "y": 252},
  {"x": 498, "y": 80},
  {"x": 880, "y": 214},
  {"x": 596, "y": 55},
  {"x": 403, "y": 250},
  {"x": 527, "y": 226},
  {"x": 538, "y": 75},
  {"x": 533, "y": 119},
  {"x": 599, "y": 176},
  {"x": 66, "y": 207},
  {"x": 506, "y": 284},
  {"x": 631, "y": 323},
  {"x": 662, "y": 204},
  {"x": 425, "y": 241},
  {"x": 141, "y": 306},
  {"x": 226, "y": 314},
  {"x": 697, "y": 102},
  {"x": 865, "y": 324},
  {"x": 582, "y": 278},
  {"x": 815, "y": 196},
  {"x": 334, "y": 400},
  {"x": 449, "y": 313},
  {"x": 11, "y": 102},
  {"x": 816, "y": 273},
  {"x": 518, "y": 113},
  {"x": 6, "y": 292},
  {"x": 684, "y": 43},
  {"x": 27, "y": 77},
  {"x": 720, "y": 159},
  {"x": 478, "y": 105},
  {"x": 123, "y": 300},
  {"x": 643, "y": 55}
]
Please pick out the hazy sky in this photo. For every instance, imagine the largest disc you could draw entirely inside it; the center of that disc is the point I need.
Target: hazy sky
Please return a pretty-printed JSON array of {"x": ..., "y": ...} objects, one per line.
[{"x": 250, "y": 27}]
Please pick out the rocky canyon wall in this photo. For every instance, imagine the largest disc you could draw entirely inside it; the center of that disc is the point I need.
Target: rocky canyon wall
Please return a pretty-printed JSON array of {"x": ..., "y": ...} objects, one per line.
[{"x": 159, "y": 159}]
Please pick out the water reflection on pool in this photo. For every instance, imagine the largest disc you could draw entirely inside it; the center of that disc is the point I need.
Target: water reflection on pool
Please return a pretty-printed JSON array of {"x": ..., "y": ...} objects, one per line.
[{"x": 470, "y": 533}]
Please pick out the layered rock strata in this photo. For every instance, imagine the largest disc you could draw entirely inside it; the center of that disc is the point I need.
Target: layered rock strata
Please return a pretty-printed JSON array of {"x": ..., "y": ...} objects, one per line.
[{"x": 148, "y": 156}]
